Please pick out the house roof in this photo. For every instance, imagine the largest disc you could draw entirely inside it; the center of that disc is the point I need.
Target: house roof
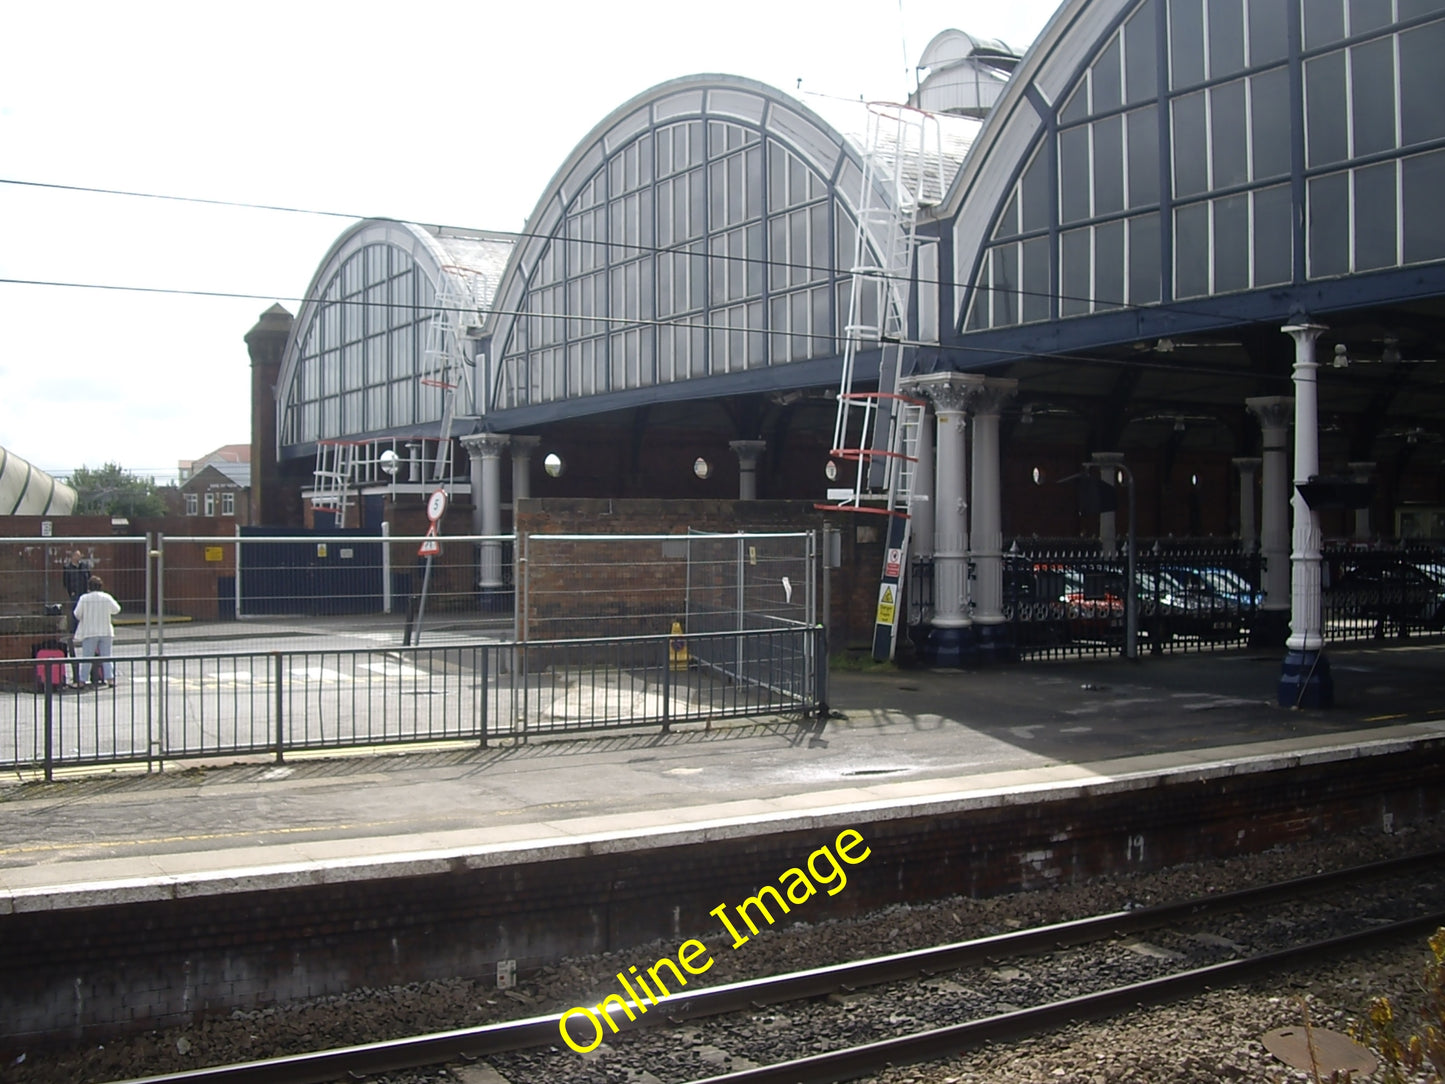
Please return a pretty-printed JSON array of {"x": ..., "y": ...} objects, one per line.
[{"x": 236, "y": 474}]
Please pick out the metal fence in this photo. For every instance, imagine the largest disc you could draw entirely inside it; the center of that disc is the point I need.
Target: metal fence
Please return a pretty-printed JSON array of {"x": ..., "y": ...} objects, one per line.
[
  {"x": 625, "y": 585},
  {"x": 1066, "y": 598},
  {"x": 274, "y": 703},
  {"x": 1372, "y": 594},
  {"x": 265, "y": 575},
  {"x": 264, "y": 586}
]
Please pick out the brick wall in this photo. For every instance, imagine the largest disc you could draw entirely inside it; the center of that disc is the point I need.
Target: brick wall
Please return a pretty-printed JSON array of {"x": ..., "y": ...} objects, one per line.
[{"x": 853, "y": 586}]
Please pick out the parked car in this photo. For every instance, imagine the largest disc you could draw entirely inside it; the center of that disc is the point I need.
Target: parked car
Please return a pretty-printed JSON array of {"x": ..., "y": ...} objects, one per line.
[
  {"x": 1033, "y": 603},
  {"x": 1232, "y": 587},
  {"x": 1381, "y": 593}
]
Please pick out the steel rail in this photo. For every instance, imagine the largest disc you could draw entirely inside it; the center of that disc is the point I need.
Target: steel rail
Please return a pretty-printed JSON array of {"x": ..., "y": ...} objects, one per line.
[
  {"x": 854, "y": 1062},
  {"x": 467, "y": 1044}
]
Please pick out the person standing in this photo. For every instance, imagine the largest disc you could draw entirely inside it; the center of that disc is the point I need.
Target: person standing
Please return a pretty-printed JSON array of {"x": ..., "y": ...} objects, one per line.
[
  {"x": 75, "y": 576},
  {"x": 93, "y": 613}
]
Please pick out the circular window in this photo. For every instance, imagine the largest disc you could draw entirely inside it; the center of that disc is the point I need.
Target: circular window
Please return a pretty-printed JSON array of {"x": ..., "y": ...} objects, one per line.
[
  {"x": 831, "y": 470},
  {"x": 554, "y": 465},
  {"x": 1038, "y": 476},
  {"x": 701, "y": 467}
]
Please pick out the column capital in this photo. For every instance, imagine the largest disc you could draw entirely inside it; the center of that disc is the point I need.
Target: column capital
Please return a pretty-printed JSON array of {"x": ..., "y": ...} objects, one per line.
[
  {"x": 990, "y": 397},
  {"x": 1246, "y": 464},
  {"x": 485, "y": 445},
  {"x": 748, "y": 451},
  {"x": 949, "y": 392},
  {"x": 523, "y": 446},
  {"x": 1304, "y": 329},
  {"x": 1273, "y": 411}
]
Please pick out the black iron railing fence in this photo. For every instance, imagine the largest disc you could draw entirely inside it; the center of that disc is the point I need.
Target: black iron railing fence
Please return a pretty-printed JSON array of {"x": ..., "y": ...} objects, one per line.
[
  {"x": 274, "y": 703},
  {"x": 1067, "y": 598}
]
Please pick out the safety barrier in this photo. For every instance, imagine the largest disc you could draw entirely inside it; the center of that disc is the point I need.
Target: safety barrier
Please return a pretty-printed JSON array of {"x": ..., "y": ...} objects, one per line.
[
  {"x": 1067, "y": 599},
  {"x": 275, "y": 703}
]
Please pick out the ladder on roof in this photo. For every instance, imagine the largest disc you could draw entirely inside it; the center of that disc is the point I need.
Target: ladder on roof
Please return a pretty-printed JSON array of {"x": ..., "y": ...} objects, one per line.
[
  {"x": 460, "y": 301},
  {"x": 878, "y": 431},
  {"x": 902, "y": 173},
  {"x": 331, "y": 486}
]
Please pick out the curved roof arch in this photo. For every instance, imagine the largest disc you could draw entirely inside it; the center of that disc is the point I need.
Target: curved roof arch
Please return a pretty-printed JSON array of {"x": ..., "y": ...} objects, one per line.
[
  {"x": 703, "y": 229},
  {"x": 364, "y": 322},
  {"x": 1162, "y": 168},
  {"x": 1049, "y": 65}
]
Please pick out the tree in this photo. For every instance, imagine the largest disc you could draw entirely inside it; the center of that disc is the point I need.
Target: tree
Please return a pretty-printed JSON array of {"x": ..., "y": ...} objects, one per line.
[{"x": 112, "y": 491}]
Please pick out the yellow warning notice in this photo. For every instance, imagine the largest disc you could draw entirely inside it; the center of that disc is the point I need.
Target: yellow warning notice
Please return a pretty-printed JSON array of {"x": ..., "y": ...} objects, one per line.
[{"x": 887, "y": 604}]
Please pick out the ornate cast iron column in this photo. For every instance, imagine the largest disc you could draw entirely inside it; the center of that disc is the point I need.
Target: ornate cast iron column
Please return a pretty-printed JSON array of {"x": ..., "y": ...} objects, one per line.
[
  {"x": 1305, "y": 680},
  {"x": 951, "y": 640}
]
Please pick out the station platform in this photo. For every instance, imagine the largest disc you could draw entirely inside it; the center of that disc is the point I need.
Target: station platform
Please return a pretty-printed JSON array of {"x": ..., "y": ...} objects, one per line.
[{"x": 896, "y": 740}]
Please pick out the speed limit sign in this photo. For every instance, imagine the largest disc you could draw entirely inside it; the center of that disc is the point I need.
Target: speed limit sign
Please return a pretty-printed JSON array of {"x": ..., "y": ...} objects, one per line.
[{"x": 436, "y": 504}]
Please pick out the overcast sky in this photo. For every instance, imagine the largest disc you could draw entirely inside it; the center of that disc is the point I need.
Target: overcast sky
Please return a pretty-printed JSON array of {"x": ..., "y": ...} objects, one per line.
[{"x": 454, "y": 113}]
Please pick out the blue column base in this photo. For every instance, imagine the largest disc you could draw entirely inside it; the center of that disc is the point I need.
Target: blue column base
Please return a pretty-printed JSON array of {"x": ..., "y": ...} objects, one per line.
[
  {"x": 952, "y": 646},
  {"x": 996, "y": 644},
  {"x": 1305, "y": 681}
]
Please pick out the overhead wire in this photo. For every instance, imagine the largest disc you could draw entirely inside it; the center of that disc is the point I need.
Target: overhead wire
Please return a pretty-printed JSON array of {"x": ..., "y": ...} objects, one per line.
[{"x": 1225, "y": 319}]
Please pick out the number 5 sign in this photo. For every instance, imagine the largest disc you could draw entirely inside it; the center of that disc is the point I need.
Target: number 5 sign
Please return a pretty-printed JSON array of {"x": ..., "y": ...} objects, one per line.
[{"x": 436, "y": 504}]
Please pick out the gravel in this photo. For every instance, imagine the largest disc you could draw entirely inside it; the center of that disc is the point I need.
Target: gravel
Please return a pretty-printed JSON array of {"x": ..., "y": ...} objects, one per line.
[{"x": 1214, "y": 1037}]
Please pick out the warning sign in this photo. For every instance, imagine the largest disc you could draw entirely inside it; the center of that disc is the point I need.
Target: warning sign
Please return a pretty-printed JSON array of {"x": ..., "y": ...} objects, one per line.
[
  {"x": 431, "y": 545},
  {"x": 887, "y": 604},
  {"x": 893, "y": 567}
]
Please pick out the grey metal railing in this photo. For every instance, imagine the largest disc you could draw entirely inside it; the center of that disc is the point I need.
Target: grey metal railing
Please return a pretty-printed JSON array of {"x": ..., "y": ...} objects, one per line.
[{"x": 274, "y": 703}]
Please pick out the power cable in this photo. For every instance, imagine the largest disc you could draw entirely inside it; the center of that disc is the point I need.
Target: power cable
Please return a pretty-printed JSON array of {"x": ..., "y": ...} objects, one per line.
[
  {"x": 1225, "y": 318},
  {"x": 682, "y": 322}
]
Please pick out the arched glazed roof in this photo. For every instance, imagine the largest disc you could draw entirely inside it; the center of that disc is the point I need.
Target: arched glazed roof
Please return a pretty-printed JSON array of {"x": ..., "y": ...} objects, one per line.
[
  {"x": 362, "y": 337},
  {"x": 1166, "y": 183},
  {"x": 701, "y": 231},
  {"x": 1154, "y": 156}
]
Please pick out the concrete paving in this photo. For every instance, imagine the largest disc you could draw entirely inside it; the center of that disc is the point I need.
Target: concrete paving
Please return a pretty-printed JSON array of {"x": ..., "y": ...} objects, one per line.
[{"x": 894, "y": 737}]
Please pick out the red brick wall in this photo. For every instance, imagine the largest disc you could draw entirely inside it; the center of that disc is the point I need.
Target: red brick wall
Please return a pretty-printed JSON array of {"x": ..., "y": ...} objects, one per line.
[{"x": 854, "y": 586}]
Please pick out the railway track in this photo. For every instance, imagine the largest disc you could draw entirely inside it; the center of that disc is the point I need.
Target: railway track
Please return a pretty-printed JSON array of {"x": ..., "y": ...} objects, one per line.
[{"x": 539, "y": 1037}]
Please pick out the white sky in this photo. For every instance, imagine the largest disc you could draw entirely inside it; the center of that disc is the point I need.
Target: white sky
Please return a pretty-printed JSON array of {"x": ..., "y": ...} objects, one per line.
[{"x": 453, "y": 112}]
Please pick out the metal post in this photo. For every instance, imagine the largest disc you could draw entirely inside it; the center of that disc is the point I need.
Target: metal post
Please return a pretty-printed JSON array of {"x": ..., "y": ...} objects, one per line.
[
  {"x": 385, "y": 565},
  {"x": 160, "y": 593},
  {"x": 667, "y": 687},
  {"x": 742, "y": 572},
  {"x": 151, "y": 552},
  {"x": 811, "y": 617},
  {"x": 49, "y": 723},
  {"x": 238, "y": 572},
  {"x": 486, "y": 655},
  {"x": 1131, "y": 578},
  {"x": 820, "y": 670},
  {"x": 421, "y": 605},
  {"x": 279, "y": 704}
]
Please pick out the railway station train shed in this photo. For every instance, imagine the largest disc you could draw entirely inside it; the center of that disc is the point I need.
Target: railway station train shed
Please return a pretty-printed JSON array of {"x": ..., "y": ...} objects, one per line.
[{"x": 1188, "y": 250}]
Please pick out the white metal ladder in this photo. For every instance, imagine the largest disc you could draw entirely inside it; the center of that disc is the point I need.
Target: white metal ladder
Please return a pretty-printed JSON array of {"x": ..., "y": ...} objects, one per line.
[
  {"x": 444, "y": 363},
  {"x": 903, "y": 171},
  {"x": 331, "y": 487}
]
